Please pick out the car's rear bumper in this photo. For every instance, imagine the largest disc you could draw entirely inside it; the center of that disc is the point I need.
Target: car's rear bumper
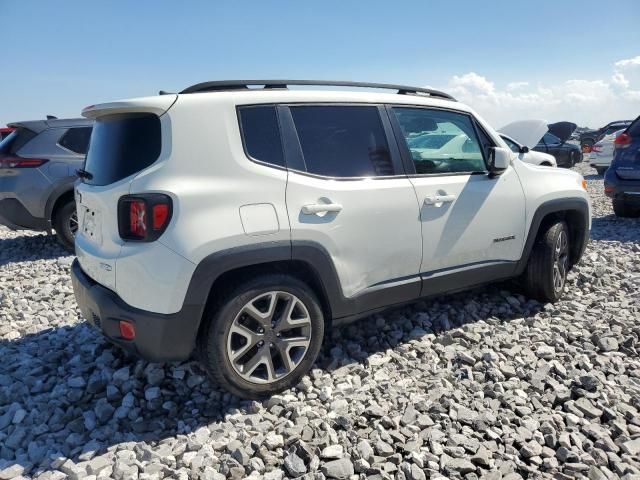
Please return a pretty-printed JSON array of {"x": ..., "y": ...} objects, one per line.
[
  {"x": 159, "y": 337},
  {"x": 14, "y": 215},
  {"x": 620, "y": 188}
]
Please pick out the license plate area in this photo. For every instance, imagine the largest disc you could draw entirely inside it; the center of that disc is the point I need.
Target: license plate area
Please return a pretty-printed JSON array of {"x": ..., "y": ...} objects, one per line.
[{"x": 90, "y": 226}]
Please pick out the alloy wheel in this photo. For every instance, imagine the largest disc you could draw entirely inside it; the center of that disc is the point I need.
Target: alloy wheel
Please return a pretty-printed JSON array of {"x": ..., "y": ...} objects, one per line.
[
  {"x": 560, "y": 261},
  {"x": 269, "y": 337},
  {"x": 73, "y": 223}
]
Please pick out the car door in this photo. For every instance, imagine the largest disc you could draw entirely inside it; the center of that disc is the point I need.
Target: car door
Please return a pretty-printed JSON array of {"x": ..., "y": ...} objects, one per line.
[
  {"x": 472, "y": 223},
  {"x": 347, "y": 194}
]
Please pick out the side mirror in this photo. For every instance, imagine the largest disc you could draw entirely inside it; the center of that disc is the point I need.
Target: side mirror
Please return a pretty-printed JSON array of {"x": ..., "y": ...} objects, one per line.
[
  {"x": 499, "y": 160},
  {"x": 524, "y": 149}
]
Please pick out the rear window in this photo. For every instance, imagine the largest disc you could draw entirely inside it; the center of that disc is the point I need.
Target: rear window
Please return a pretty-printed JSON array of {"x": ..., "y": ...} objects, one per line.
[
  {"x": 76, "y": 139},
  {"x": 122, "y": 145},
  {"x": 634, "y": 128},
  {"x": 17, "y": 139}
]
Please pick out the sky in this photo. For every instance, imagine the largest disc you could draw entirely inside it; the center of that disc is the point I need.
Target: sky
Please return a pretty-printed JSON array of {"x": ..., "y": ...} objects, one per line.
[{"x": 510, "y": 60}]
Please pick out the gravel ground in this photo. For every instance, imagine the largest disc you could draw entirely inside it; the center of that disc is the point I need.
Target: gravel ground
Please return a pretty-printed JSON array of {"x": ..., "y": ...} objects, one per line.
[{"x": 486, "y": 384}]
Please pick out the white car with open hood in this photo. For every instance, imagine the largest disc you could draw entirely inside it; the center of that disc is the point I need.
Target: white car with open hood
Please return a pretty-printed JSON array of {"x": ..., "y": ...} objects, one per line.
[
  {"x": 602, "y": 152},
  {"x": 241, "y": 219},
  {"x": 522, "y": 136}
]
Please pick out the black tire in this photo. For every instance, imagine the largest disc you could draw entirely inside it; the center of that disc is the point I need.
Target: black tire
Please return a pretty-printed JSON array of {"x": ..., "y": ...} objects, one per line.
[
  {"x": 601, "y": 170},
  {"x": 62, "y": 223},
  {"x": 215, "y": 336},
  {"x": 624, "y": 210},
  {"x": 540, "y": 281}
]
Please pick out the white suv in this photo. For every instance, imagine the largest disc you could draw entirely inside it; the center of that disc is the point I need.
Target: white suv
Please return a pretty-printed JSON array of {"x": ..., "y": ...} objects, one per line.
[{"x": 246, "y": 221}]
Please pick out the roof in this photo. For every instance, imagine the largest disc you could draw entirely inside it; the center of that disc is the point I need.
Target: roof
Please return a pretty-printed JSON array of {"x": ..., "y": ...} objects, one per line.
[{"x": 41, "y": 125}]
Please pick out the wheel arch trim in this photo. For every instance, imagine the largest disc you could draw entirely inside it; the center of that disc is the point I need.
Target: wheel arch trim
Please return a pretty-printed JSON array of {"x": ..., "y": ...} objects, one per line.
[{"x": 577, "y": 208}]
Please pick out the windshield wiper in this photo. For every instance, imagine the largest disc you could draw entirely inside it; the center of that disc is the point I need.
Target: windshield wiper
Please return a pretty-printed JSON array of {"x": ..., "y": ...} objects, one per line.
[{"x": 82, "y": 173}]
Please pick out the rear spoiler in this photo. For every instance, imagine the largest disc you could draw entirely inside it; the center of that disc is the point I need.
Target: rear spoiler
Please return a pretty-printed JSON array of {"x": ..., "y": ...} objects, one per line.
[{"x": 158, "y": 105}]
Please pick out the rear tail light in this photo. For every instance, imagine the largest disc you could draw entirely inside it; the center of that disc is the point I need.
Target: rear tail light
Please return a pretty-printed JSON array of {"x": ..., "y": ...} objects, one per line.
[
  {"x": 143, "y": 218},
  {"x": 12, "y": 161},
  {"x": 623, "y": 140},
  {"x": 596, "y": 148},
  {"x": 127, "y": 330}
]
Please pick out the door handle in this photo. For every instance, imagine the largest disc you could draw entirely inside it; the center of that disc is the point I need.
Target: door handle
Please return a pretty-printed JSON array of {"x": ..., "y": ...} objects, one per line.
[
  {"x": 316, "y": 208},
  {"x": 438, "y": 199}
]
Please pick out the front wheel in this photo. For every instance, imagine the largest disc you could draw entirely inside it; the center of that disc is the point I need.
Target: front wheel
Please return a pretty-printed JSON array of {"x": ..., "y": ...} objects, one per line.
[
  {"x": 263, "y": 336},
  {"x": 65, "y": 223},
  {"x": 546, "y": 272}
]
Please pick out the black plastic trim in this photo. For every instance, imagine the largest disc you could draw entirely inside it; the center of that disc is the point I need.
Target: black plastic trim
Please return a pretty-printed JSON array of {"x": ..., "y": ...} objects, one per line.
[
  {"x": 561, "y": 205},
  {"x": 222, "y": 85},
  {"x": 15, "y": 215}
]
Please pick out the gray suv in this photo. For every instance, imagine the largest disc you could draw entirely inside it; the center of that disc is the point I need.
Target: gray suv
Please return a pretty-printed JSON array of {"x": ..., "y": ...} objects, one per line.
[{"x": 38, "y": 163}]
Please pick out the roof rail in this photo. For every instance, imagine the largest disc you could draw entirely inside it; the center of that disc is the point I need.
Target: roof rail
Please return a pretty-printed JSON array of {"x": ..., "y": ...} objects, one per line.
[{"x": 222, "y": 85}]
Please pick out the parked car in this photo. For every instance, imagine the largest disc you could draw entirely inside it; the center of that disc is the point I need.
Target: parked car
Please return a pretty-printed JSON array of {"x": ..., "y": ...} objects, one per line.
[
  {"x": 249, "y": 220},
  {"x": 4, "y": 132},
  {"x": 602, "y": 152},
  {"x": 622, "y": 179},
  {"x": 38, "y": 163},
  {"x": 555, "y": 143},
  {"x": 522, "y": 136},
  {"x": 590, "y": 137}
]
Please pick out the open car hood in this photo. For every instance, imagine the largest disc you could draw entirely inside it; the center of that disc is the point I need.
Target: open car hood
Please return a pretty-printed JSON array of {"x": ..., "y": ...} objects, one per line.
[
  {"x": 526, "y": 132},
  {"x": 562, "y": 130}
]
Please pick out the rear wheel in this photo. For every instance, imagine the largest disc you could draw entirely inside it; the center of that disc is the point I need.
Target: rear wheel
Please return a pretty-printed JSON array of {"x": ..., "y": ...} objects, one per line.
[
  {"x": 65, "y": 223},
  {"x": 546, "y": 272},
  {"x": 623, "y": 209},
  {"x": 263, "y": 336},
  {"x": 601, "y": 170}
]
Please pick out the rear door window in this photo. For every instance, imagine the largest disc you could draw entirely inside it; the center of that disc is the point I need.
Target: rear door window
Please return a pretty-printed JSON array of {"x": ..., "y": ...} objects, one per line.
[
  {"x": 261, "y": 134},
  {"x": 121, "y": 145},
  {"x": 76, "y": 139},
  {"x": 342, "y": 140}
]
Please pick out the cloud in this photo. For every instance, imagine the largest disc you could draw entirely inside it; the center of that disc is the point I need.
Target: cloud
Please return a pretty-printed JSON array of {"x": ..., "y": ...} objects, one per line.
[
  {"x": 516, "y": 86},
  {"x": 586, "y": 102},
  {"x": 629, "y": 62},
  {"x": 619, "y": 80}
]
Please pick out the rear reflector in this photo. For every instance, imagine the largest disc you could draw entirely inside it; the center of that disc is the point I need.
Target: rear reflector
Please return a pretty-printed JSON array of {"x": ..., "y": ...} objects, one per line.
[
  {"x": 160, "y": 215},
  {"x": 127, "y": 330},
  {"x": 623, "y": 141},
  {"x": 21, "y": 162},
  {"x": 143, "y": 217}
]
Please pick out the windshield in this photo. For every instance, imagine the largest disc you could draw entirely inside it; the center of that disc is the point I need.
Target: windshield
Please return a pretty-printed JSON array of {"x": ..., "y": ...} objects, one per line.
[{"x": 511, "y": 144}]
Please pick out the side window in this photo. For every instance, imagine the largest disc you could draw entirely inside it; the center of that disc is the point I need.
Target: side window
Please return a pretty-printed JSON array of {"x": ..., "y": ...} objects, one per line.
[
  {"x": 441, "y": 141},
  {"x": 342, "y": 141},
  {"x": 261, "y": 134},
  {"x": 76, "y": 139}
]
